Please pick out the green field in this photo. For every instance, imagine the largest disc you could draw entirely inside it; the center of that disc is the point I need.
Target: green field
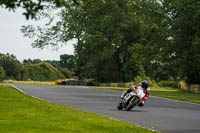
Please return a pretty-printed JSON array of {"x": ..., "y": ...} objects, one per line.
[
  {"x": 176, "y": 94},
  {"x": 166, "y": 92},
  {"x": 21, "y": 113}
]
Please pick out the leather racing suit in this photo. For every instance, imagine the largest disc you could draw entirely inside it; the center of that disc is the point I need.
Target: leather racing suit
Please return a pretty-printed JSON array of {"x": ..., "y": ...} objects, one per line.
[{"x": 146, "y": 91}]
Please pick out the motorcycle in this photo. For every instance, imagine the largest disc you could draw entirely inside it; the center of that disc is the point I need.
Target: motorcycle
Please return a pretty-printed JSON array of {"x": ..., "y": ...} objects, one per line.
[{"x": 131, "y": 99}]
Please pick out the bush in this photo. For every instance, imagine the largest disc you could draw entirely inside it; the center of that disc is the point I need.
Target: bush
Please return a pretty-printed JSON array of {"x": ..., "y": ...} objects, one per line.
[
  {"x": 166, "y": 83},
  {"x": 182, "y": 85},
  {"x": 44, "y": 72},
  {"x": 152, "y": 83}
]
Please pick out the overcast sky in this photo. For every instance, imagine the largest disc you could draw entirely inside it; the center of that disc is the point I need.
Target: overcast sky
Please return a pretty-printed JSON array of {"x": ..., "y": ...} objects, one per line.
[{"x": 13, "y": 42}]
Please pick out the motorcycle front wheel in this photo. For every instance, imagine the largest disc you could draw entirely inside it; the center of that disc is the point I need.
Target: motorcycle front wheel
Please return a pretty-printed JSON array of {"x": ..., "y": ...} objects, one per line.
[{"x": 119, "y": 106}]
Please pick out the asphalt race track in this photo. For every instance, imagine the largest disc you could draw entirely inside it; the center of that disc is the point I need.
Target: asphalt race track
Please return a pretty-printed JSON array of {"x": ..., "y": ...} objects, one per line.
[{"x": 158, "y": 114}]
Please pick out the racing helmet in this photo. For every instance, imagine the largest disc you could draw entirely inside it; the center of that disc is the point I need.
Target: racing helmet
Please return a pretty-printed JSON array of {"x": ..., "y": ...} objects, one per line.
[{"x": 145, "y": 84}]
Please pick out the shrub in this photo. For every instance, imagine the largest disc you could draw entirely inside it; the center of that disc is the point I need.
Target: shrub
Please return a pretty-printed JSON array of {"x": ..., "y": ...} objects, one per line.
[
  {"x": 44, "y": 72},
  {"x": 166, "y": 83},
  {"x": 182, "y": 85},
  {"x": 152, "y": 83}
]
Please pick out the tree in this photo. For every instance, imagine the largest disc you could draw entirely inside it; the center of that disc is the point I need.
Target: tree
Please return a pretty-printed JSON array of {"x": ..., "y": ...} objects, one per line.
[
  {"x": 32, "y": 7},
  {"x": 103, "y": 51},
  {"x": 27, "y": 62},
  {"x": 104, "y": 31},
  {"x": 67, "y": 61},
  {"x": 121, "y": 39},
  {"x": 2, "y": 74},
  {"x": 184, "y": 37},
  {"x": 11, "y": 66}
]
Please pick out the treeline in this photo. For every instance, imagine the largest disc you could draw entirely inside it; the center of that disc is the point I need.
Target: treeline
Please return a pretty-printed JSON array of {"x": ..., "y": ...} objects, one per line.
[
  {"x": 120, "y": 40},
  {"x": 37, "y": 70}
]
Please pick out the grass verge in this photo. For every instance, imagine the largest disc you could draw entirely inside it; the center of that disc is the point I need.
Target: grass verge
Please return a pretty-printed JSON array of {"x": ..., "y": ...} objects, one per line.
[
  {"x": 21, "y": 113},
  {"x": 167, "y": 92}
]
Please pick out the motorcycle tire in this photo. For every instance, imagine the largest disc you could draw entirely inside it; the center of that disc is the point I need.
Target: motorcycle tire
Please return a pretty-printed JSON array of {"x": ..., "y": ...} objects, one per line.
[
  {"x": 132, "y": 104},
  {"x": 119, "y": 106}
]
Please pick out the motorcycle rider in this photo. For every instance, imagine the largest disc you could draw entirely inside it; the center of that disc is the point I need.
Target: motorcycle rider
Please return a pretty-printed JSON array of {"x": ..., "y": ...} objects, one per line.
[{"x": 145, "y": 86}]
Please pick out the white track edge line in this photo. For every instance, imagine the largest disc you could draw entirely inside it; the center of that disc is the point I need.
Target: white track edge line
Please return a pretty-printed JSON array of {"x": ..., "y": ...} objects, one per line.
[{"x": 29, "y": 95}]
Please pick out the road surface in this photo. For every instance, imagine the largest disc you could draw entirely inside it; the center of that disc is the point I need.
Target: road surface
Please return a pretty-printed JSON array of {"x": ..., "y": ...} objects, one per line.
[{"x": 158, "y": 114}]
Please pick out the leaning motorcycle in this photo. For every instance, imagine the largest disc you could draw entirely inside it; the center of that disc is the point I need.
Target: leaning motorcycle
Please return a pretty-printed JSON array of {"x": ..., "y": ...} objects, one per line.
[{"x": 131, "y": 99}]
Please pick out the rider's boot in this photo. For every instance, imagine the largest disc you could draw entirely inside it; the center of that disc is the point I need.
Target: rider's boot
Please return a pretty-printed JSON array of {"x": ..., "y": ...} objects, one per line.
[{"x": 141, "y": 104}]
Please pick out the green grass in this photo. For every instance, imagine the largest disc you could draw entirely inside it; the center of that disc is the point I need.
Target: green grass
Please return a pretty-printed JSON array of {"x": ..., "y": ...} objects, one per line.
[
  {"x": 21, "y": 113},
  {"x": 176, "y": 94},
  {"x": 166, "y": 92}
]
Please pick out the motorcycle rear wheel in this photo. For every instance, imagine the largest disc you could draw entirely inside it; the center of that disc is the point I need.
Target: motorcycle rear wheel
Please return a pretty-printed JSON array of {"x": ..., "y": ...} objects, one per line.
[{"x": 132, "y": 104}]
